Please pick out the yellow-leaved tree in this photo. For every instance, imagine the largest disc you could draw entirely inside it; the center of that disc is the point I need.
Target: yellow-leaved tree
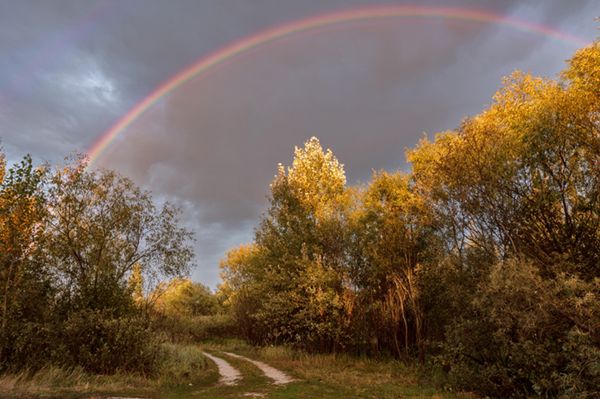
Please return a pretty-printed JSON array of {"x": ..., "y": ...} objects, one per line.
[
  {"x": 25, "y": 291},
  {"x": 295, "y": 275}
]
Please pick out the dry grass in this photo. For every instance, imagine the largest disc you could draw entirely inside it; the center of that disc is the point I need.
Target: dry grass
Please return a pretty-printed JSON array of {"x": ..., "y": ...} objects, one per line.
[
  {"x": 339, "y": 368},
  {"x": 342, "y": 375},
  {"x": 55, "y": 382},
  {"x": 182, "y": 362},
  {"x": 186, "y": 373},
  {"x": 183, "y": 365}
]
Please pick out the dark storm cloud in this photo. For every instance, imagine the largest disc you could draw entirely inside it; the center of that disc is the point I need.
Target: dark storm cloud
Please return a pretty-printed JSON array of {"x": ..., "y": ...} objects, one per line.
[{"x": 69, "y": 69}]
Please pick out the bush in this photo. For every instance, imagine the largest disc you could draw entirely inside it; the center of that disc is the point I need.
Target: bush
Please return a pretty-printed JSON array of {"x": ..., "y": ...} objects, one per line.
[
  {"x": 104, "y": 344},
  {"x": 27, "y": 345},
  {"x": 92, "y": 339},
  {"x": 196, "y": 328},
  {"x": 180, "y": 363},
  {"x": 523, "y": 335}
]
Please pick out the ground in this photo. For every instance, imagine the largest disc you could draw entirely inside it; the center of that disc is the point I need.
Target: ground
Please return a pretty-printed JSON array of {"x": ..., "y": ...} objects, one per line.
[{"x": 293, "y": 375}]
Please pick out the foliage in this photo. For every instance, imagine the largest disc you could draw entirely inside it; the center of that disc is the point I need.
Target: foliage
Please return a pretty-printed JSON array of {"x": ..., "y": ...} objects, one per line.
[
  {"x": 189, "y": 312},
  {"x": 71, "y": 243},
  {"x": 183, "y": 297},
  {"x": 291, "y": 285},
  {"x": 196, "y": 328},
  {"x": 524, "y": 334},
  {"x": 25, "y": 290},
  {"x": 532, "y": 156},
  {"x": 394, "y": 240},
  {"x": 516, "y": 193},
  {"x": 484, "y": 255},
  {"x": 104, "y": 344},
  {"x": 100, "y": 227}
]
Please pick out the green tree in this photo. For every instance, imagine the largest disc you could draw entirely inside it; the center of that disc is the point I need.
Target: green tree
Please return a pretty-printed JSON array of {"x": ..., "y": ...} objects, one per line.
[
  {"x": 102, "y": 232},
  {"x": 101, "y": 227}
]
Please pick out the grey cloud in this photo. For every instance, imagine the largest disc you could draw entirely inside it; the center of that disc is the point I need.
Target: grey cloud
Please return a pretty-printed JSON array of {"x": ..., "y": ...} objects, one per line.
[{"x": 367, "y": 90}]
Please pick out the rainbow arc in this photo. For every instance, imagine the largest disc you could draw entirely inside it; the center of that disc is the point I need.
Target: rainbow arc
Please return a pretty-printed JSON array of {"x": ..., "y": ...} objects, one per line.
[{"x": 275, "y": 34}]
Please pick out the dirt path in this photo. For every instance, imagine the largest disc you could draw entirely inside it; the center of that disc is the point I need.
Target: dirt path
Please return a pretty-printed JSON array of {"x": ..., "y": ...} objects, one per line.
[
  {"x": 278, "y": 376},
  {"x": 229, "y": 375}
]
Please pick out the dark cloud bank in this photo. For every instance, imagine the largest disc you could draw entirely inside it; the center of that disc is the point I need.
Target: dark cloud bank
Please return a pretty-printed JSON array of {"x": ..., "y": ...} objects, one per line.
[{"x": 368, "y": 90}]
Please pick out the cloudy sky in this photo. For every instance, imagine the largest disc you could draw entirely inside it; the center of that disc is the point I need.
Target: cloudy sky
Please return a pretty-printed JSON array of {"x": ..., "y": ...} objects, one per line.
[{"x": 70, "y": 69}]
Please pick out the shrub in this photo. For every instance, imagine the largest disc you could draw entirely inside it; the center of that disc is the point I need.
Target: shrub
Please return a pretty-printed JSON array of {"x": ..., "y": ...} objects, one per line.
[
  {"x": 180, "y": 363},
  {"x": 27, "y": 345},
  {"x": 104, "y": 344},
  {"x": 197, "y": 328},
  {"x": 524, "y": 335}
]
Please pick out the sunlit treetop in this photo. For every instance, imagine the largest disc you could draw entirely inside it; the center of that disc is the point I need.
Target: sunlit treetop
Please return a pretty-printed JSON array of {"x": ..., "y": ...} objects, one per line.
[{"x": 316, "y": 176}]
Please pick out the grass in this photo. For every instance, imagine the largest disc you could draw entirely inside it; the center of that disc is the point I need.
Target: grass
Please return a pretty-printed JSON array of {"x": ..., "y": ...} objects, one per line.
[
  {"x": 54, "y": 382},
  {"x": 186, "y": 373},
  {"x": 341, "y": 376},
  {"x": 184, "y": 369}
]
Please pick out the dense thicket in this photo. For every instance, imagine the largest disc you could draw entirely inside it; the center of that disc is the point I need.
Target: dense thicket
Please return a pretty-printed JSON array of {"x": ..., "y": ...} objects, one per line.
[
  {"x": 486, "y": 255},
  {"x": 71, "y": 240},
  {"x": 186, "y": 311}
]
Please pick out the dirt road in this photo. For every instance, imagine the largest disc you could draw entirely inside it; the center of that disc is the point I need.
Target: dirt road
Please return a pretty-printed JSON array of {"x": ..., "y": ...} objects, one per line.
[
  {"x": 278, "y": 376},
  {"x": 229, "y": 374}
]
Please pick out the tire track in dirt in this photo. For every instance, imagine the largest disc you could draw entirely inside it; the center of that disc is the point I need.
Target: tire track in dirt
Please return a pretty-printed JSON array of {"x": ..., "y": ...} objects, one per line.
[
  {"x": 278, "y": 376},
  {"x": 229, "y": 374}
]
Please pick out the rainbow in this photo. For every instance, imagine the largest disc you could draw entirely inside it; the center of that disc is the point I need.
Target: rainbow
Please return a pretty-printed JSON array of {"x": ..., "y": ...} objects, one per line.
[{"x": 271, "y": 35}]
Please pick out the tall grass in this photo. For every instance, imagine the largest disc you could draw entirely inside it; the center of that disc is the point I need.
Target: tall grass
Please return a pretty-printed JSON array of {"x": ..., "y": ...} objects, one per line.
[
  {"x": 340, "y": 368},
  {"x": 53, "y": 381},
  {"x": 180, "y": 365},
  {"x": 342, "y": 375}
]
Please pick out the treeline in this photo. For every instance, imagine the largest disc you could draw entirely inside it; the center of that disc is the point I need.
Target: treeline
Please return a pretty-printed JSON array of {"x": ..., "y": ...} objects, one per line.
[
  {"x": 82, "y": 253},
  {"x": 485, "y": 258},
  {"x": 183, "y": 311}
]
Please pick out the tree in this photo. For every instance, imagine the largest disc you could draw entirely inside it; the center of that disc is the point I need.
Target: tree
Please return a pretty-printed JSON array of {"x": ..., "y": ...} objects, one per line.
[
  {"x": 76, "y": 246},
  {"x": 101, "y": 234},
  {"x": 395, "y": 235},
  {"x": 100, "y": 228},
  {"x": 185, "y": 298},
  {"x": 521, "y": 177},
  {"x": 517, "y": 191},
  {"x": 242, "y": 289},
  {"x": 25, "y": 291},
  {"x": 296, "y": 270}
]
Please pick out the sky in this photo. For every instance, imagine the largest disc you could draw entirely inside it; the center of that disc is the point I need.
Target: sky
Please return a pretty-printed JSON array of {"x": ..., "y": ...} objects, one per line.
[{"x": 69, "y": 70}]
